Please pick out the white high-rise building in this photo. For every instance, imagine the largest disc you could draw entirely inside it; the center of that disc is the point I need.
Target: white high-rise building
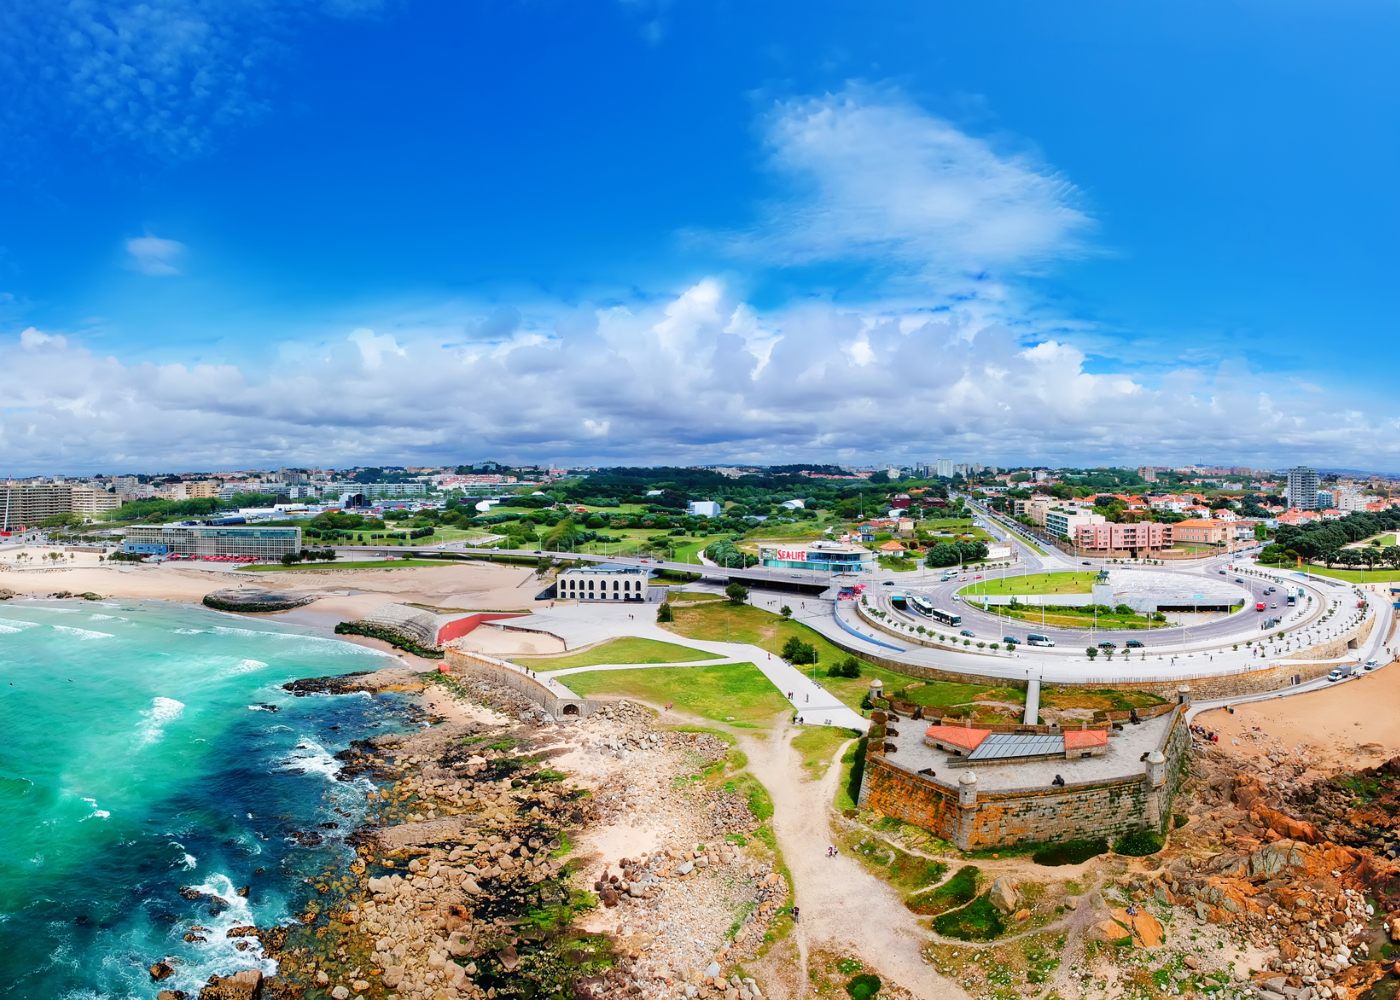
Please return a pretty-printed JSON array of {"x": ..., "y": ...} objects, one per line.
[
  {"x": 1301, "y": 491},
  {"x": 944, "y": 468}
]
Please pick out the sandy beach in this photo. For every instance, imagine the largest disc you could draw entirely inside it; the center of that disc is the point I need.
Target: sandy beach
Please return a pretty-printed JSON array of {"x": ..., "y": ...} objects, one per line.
[
  {"x": 340, "y": 593},
  {"x": 1346, "y": 727}
]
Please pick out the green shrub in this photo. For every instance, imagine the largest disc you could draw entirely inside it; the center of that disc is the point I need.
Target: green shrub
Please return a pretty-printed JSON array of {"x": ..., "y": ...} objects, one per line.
[
  {"x": 1139, "y": 843},
  {"x": 864, "y": 987}
]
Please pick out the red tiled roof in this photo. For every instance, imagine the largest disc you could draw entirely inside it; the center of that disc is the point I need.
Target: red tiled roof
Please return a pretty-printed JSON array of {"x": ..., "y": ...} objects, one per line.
[
  {"x": 1080, "y": 739},
  {"x": 958, "y": 736}
]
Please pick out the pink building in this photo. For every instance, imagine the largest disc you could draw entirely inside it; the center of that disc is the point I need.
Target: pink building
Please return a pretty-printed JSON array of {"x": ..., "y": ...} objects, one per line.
[{"x": 1137, "y": 538}]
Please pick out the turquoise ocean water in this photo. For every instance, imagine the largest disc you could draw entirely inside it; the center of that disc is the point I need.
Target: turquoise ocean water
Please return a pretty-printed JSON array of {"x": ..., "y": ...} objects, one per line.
[{"x": 138, "y": 756}]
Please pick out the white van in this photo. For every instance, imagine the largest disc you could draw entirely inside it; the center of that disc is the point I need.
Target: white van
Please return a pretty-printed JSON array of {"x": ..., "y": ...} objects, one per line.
[{"x": 1032, "y": 639}]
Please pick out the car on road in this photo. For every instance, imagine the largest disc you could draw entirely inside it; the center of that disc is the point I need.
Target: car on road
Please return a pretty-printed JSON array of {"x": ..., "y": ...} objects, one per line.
[
  {"x": 1085, "y": 562},
  {"x": 1239, "y": 580},
  {"x": 956, "y": 597},
  {"x": 1134, "y": 644},
  {"x": 887, "y": 583},
  {"x": 1372, "y": 664},
  {"x": 1106, "y": 644},
  {"x": 968, "y": 632},
  {"x": 1010, "y": 640},
  {"x": 1221, "y": 572},
  {"x": 1273, "y": 604}
]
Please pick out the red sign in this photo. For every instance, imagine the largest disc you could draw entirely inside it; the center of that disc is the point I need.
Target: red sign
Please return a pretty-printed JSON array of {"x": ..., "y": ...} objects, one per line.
[{"x": 791, "y": 555}]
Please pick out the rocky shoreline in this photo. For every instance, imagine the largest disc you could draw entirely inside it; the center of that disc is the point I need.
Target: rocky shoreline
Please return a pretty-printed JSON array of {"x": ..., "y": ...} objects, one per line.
[{"x": 467, "y": 882}]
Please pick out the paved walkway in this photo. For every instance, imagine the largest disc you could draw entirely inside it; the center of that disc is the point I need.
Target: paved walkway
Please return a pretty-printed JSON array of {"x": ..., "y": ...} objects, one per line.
[{"x": 815, "y": 705}]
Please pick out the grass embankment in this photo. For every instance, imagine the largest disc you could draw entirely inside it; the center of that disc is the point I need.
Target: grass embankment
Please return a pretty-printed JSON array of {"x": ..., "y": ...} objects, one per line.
[
  {"x": 724, "y": 622},
  {"x": 1066, "y": 617},
  {"x": 736, "y": 693},
  {"x": 1099, "y": 699},
  {"x": 1356, "y": 575},
  {"x": 692, "y": 596},
  {"x": 363, "y": 564},
  {"x": 630, "y": 649},
  {"x": 818, "y": 745},
  {"x": 1034, "y": 584}
]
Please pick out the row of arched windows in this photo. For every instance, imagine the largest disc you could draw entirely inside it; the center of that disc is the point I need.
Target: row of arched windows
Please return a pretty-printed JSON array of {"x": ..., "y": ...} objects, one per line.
[{"x": 592, "y": 589}]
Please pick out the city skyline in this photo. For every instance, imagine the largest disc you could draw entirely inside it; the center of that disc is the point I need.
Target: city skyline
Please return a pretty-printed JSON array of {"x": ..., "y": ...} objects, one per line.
[{"x": 355, "y": 232}]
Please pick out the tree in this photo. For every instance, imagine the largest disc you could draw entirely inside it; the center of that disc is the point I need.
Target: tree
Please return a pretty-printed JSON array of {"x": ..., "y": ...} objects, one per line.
[
  {"x": 796, "y": 652},
  {"x": 736, "y": 592},
  {"x": 1091, "y": 652},
  {"x": 664, "y": 612},
  {"x": 849, "y": 667},
  {"x": 786, "y": 611}
]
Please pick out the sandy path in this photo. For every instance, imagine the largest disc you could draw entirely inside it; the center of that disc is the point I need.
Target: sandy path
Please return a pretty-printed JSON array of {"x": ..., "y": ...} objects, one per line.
[
  {"x": 1345, "y": 726},
  {"x": 844, "y": 907}
]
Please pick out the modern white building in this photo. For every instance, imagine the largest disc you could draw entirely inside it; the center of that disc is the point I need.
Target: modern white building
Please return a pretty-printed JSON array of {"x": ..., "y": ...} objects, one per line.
[
  {"x": 1301, "y": 491},
  {"x": 267, "y": 544},
  {"x": 603, "y": 582},
  {"x": 703, "y": 508}
]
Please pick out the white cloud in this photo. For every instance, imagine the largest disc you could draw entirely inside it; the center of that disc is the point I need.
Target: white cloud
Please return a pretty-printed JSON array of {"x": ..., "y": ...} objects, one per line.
[
  {"x": 31, "y": 339},
  {"x": 873, "y": 177},
  {"x": 155, "y": 256},
  {"x": 609, "y": 385},
  {"x": 162, "y": 75}
]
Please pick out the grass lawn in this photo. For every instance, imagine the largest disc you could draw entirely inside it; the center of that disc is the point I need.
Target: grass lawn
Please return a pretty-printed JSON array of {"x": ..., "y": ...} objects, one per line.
[
  {"x": 725, "y": 622},
  {"x": 632, "y": 541},
  {"x": 909, "y": 873},
  {"x": 363, "y": 564},
  {"x": 959, "y": 890},
  {"x": 900, "y": 564},
  {"x": 693, "y": 595},
  {"x": 818, "y": 746},
  {"x": 625, "y": 650},
  {"x": 728, "y": 691},
  {"x": 1105, "y": 699},
  {"x": 1035, "y": 583},
  {"x": 1358, "y": 575},
  {"x": 1074, "y": 618}
]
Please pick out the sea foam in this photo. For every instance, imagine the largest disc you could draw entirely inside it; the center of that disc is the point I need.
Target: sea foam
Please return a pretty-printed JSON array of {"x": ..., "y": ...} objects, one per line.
[
  {"x": 82, "y": 633},
  {"x": 162, "y": 710}
]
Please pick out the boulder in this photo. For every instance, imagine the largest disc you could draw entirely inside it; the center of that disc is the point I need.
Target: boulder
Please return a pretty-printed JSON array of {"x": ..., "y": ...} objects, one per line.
[
  {"x": 161, "y": 970},
  {"x": 1003, "y": 895}
]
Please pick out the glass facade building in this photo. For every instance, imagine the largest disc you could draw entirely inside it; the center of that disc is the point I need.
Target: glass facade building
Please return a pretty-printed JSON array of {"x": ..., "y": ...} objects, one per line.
[
  {"x": 818, "y": 557},
  {"x": 269, "y": 544}
]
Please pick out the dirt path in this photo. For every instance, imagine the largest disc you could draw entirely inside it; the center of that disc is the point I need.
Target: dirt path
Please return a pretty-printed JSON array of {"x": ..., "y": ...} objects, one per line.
[{"x": 844, "y": 908}]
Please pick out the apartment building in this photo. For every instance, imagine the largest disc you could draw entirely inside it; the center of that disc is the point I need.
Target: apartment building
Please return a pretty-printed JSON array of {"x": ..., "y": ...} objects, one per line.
[
  {"x": 24, "y": 505},
  {"x": 1065, "y": 521},
  {"x": 1301, "y": 490},
  {"x": 1136, "y": 538}
]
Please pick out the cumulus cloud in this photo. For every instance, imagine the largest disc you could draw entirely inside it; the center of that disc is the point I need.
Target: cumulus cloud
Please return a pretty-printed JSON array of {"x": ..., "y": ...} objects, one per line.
[
  {"x": 155, "y": 256},
  {"x": 700, "y": 377},
  {"x": 871, "y": 176}
]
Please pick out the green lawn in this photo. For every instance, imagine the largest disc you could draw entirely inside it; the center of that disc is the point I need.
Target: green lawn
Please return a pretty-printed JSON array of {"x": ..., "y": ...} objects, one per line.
[
  {"x": 363, "y": 564},
  {"x": 724, "y": 622},
  {"x": 1075, "y": 618},
  {"x": 626, "y": 650},
  {"x": 818, "y": 746},
  {"x": 1035, "y": 583},
  {"x": 728, "y": 691},
  {"x": 694, "y": 595},
  {"x": 1357, "y": 575}
]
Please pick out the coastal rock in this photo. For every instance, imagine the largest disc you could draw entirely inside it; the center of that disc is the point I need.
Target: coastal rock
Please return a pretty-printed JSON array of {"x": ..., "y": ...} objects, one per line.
[
  {"x": 161, "y": 970},
  {"x": 245, "y": 985},
  {"x": 1003, "y": 895}
]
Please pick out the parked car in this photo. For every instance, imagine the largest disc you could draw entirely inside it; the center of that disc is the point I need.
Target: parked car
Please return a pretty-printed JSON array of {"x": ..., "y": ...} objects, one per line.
[
  {"x": 1010, "y": 640},
  {"x": 1106, "y": 644},
  {"x": 968, "y": 632},
  {"x": 1134, "y": 644}
]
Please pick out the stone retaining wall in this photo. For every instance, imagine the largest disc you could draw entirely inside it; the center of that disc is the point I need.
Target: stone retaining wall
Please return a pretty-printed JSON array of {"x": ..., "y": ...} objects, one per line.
[
  {"x": 1107, "y": 808},
  {"x": 553, "y": 697}
]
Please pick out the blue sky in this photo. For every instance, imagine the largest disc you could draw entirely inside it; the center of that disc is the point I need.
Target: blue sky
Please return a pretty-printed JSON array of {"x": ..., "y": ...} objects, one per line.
[{"x": 243, "y": 232}]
